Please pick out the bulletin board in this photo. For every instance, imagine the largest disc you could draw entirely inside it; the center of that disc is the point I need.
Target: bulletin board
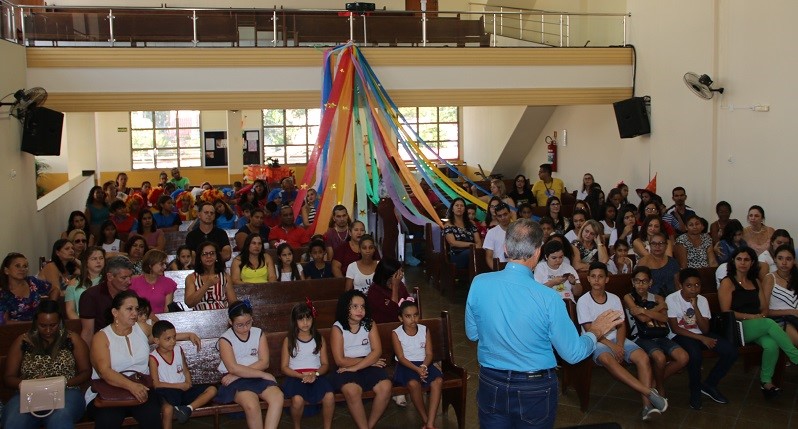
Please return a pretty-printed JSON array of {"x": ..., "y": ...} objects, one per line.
[
  {"x": 214, "y": 145},
  {"x": 251, "y": 147}
]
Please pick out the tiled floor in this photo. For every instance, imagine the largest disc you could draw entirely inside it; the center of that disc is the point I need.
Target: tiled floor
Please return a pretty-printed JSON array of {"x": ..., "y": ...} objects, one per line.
[{"x": 609, "y": 402}]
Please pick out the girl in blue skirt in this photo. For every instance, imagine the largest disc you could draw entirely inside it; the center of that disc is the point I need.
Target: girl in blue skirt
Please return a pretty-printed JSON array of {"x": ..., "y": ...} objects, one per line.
[
  {"x": 356, "y": 348},
  {"x": 304, "y": 363},
  {"x": 245, "y": 356},
  {"x": 412, "y": 344}
]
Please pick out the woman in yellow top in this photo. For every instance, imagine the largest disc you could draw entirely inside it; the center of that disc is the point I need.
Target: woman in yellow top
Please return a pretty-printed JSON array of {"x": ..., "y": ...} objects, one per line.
[{"x": 252, "y": 265}]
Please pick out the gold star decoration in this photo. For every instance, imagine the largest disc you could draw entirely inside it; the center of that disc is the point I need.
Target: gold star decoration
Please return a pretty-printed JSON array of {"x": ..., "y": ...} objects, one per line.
[
  {"x": 303, "y": 186},
  {"x": 345, "y": 107},
  {"x": 362, "y": 212},
  {"x": 404, "y": 198},
  {"x": 341, "y": 70},
  {"x": 330, "y": 105},
  {"x": 333, "y": 186}
]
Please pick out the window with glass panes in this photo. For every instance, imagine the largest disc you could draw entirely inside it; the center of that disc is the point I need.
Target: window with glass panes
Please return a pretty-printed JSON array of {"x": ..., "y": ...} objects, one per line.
[
  {"x": 165, "y": 139},
  {"x": 439, "y": 127},
  {"x": 289, "y": 134}
]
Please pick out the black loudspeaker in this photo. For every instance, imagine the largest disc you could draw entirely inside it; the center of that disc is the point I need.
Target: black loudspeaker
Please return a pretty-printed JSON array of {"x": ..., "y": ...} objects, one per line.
[
  {"x": 42, "y": 131},
  {"x": 360, "y": 7},
  {"x": 632, "y": 117}
]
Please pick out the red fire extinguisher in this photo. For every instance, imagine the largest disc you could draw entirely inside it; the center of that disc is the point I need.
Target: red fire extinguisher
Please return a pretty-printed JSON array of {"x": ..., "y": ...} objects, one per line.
[{"x": 551, "y": 151}]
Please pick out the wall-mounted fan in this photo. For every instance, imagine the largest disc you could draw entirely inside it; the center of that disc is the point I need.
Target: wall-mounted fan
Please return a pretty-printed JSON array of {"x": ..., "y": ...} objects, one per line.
[
  {"x": 701, "y": 85},
  {"x": 25, "y": 100}
]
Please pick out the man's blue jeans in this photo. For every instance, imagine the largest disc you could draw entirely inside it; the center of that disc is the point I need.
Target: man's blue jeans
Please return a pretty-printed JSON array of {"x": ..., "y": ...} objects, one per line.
[{"x": 509, "y": 399}]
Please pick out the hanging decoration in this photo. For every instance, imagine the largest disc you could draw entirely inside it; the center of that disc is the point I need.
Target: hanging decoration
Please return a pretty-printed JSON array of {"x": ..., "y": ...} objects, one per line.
[{"x": 357, "y": 151}]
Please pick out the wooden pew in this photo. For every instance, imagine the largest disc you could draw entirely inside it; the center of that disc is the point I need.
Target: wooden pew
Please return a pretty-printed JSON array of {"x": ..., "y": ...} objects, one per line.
[{"x": 203, "y": 364}]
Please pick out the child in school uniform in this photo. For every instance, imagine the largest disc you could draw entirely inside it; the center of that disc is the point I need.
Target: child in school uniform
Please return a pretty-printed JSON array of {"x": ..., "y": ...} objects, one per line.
[
  {"x": 287, "y": 270},
  {"x": 171, "y": 377},
  {"x": 356, "y": 349},
  {"x": 318, "y": 267},
  {"x": 304, "y": 363},
  {"x": 412, "y": 344},
  {"x": 244, "y": 359}
]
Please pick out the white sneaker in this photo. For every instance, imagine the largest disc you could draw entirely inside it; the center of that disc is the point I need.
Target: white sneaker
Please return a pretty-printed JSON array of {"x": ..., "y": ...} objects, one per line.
[{"x": 400, "y": 400}]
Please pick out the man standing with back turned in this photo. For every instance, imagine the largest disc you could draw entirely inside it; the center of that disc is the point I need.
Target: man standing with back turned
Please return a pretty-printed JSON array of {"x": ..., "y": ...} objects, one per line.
[{"x": 517, "y": 321}]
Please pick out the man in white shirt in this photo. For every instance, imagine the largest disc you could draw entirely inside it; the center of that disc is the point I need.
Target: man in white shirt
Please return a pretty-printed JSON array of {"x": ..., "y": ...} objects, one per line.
[
  {"x": 688, "y": 317},
  {"x": 494, "y": 240}
]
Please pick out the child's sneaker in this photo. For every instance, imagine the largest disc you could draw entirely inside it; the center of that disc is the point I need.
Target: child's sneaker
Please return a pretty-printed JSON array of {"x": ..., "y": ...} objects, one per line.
[
  {"x": 650, "y": 413},
  {"x": 400, "y": 400},
  {"x": 657, "y": 401},
  {"x": 182, "y": 413}
]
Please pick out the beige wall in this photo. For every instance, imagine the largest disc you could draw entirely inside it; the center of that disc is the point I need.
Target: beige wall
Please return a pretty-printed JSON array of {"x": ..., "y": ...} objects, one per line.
[{"x": 485, "y": 131}]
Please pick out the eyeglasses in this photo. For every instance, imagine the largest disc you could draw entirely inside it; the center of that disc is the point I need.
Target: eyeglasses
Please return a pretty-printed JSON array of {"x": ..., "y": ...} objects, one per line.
[
  {"x": 244, "y": 324},
  {"x": 657, "y": 243},
  {"x": 640, "y": 281},
  {"x": 209, "y": 253}
]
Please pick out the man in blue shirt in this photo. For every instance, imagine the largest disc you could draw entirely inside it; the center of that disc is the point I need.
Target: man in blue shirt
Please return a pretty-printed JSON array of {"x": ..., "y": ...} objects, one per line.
[{"x": 517, "y": 321}]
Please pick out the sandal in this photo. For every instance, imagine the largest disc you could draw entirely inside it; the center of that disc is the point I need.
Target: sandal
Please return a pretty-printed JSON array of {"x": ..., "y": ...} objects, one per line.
[{"x": 769, "y": 393}]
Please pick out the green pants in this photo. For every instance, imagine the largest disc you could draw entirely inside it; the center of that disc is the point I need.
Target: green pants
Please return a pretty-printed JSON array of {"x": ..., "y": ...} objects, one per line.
[{"x": 769, "y": 335}]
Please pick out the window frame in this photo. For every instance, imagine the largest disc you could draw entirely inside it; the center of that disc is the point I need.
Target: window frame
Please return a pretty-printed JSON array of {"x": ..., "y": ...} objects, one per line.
[{"x": 177, "y": 130}]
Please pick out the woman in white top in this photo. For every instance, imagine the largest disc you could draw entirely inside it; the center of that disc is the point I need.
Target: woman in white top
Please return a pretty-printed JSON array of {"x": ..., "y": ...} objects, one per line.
[
  {"x": 779, "y": 238},
  {"x": 556, "y": 274},
  {"x": 124, "y": 345},
  {"x": 780, "y": 289},
  {"x": 625, "y": 225},
  {"x": 360, "y": 273}
]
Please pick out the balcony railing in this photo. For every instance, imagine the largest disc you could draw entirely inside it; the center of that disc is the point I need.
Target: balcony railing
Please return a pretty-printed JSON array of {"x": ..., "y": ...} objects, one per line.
[{"x": 208, "y": 27}]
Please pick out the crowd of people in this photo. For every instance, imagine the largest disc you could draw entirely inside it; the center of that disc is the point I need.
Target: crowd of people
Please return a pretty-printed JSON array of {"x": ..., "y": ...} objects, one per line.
[{"x": 112, "y": 254}]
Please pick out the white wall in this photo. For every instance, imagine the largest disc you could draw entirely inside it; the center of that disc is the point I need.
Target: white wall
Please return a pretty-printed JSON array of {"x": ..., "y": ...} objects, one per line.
[{"x": 485, "y": 131}]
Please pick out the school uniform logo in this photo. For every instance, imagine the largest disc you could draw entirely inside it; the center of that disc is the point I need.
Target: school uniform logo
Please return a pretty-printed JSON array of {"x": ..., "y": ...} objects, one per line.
[
  {"x": 179, "y": 368},
  {"x": 365, "y": 342},
  {"x": 423, "y": 345},
  {"x": 253, "y": 352}
]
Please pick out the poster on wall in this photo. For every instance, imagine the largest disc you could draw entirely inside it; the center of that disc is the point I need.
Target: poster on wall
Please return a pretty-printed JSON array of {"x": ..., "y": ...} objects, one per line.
[
  {"x": 251, "y": 147},
  {"x": 215, "y": 148}
]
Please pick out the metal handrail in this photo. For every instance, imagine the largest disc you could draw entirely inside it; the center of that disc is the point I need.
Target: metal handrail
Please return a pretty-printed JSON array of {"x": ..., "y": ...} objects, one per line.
[{"x": 559, "y": 27}]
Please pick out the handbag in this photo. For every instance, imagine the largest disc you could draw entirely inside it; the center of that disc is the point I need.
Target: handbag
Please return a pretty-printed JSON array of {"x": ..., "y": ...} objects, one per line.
[
  {"x": 112, "y": 396},
  {"x": 41, "y": 394},
  {"x": 653, "y": 328},
  {"x": 727, "y": 326}
]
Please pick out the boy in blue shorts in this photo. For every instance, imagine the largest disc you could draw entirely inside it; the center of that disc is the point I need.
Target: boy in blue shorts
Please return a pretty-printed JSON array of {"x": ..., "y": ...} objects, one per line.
[
  {"x": 614, "y": 348},
  {"x": 172, "y": 379}
]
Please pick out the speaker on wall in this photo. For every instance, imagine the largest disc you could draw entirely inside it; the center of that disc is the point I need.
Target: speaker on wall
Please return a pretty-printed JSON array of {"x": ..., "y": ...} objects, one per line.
[
  {"x": 41, "y": 133},
  {"x": 632, "y": 117}
]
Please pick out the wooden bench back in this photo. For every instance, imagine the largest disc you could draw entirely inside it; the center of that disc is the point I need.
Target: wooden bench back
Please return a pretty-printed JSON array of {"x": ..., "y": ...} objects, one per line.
[{"x": 295, "y": 291}]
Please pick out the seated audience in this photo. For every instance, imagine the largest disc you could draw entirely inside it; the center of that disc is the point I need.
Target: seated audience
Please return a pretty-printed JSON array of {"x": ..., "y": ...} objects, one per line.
[
  {"x": 62, "y": 268},
  {"x": 254, "y": 226},
  {"x": 587, "y": 183},
  {"x": 147, "y": 228},
  {"x": 757, "y": 235},
  {"x": 349, "y": 252},
  {"x": 694, "y": 248},
  {"x": 780, "y": 289},
  {"x": 20, "y": 294},
  {"x": 494, "y": 240},
  {"x": 158, "y": 289},
  {"x": 207, "y": 231},
  {"x": 178, "y": 180},
  {"x": 780, "y": 237},
  {"x": 620, "y": 263},
  {"x": 92, "y": 266},
  {"x": 77, "y": 220},
  {"x": 554, "y": 272},
  {"x": 308, "y": 211},
  {"x": 688, "y": 318},
  {"x": 741, "y": 293},
  {"x": 186, "y": 206},
  {"x": 641, "y": 245},
  {"x": 79, "y": 242},
  {"x": 253, "y": 264},
  {"x": 648, "y": 317},
  {"x": 664, "y": 269},
  {"x": 208, "y": 287},
  {"x": 165, "y": 217},
  {"x": 286, "y": 269},
  {"x": 318, "y": 267},
  {"x": 95, "y": 302},
  {"x": 521, "y": 193},
  {"x": 359, "y": 274},
  {"x": 471, "y": 211},
  {"x": 184, "y": 259},
  {"x": 460, "y": 234},
  {"x": 677, "y": 214},
  {"x": 625, "y": 225},
  {"x": 225, "y": 217},
  {"x": 553, "y": 211},
  {"x": 589, "y": 247},
  {"x": 386, "y": 291},
  {"x": 125, "y": 223},
  {"x": 109, "y": 241},
  {"x": 97, "y": 210},
  {"x": 731, "y": 239},
  {"x": 135, "y": 248},
  {"x": 338, "y": 230},
  {"x": 614, "y": 348},
  {"x": 288, "y": 231},
  {"x": 47, "y": 350},
  {"x": 723, "y": 210},
  {"x": 578, "y": 218}
]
